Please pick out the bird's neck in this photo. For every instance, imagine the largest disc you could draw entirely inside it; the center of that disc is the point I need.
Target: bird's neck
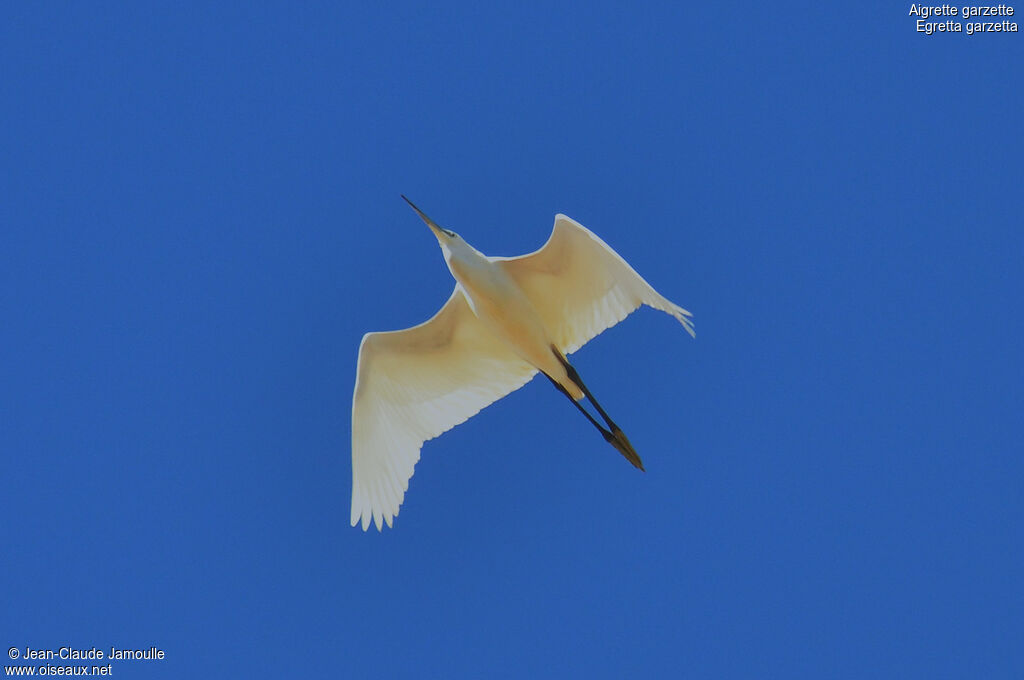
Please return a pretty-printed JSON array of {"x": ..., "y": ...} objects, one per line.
[{"x": 467, "y": 264}]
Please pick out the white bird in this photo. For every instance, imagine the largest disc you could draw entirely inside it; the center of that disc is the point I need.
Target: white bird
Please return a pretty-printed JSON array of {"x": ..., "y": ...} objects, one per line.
[{"x": 507, "y": 318}]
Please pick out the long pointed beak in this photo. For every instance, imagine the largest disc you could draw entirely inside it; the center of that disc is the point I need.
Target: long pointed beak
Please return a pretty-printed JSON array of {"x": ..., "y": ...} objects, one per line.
[{"x": 423, "y": 216}]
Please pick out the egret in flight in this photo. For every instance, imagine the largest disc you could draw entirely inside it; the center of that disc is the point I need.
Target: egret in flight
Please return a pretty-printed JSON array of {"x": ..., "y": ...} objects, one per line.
[{"x": 507, "y": 319}]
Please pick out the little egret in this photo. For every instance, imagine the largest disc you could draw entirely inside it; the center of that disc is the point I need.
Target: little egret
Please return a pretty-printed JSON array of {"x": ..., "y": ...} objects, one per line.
[{"x": 507, "y": 318}]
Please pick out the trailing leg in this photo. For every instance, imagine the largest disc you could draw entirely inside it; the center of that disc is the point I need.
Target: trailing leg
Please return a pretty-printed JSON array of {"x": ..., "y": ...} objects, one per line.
[{"x": 615, "y": 436}]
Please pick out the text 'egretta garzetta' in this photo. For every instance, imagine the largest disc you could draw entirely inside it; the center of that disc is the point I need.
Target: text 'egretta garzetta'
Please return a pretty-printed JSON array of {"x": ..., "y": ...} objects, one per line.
[{"x": 507, "y": 318}]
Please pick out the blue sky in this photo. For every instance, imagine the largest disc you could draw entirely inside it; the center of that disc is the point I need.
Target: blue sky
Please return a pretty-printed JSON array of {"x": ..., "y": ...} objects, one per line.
[{"x": 200, "y": 217}]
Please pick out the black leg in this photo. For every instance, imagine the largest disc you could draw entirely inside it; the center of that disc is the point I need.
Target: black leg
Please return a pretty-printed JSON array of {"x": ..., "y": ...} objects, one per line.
[
  {"x": 616, "y": 437},
  {"x": 575, "y": 377},
  {"x": 604, "y": 433}
]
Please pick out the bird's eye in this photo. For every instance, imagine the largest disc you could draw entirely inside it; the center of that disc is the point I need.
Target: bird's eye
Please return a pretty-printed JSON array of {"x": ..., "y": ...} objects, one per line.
[{"x": 451, "y": 234}]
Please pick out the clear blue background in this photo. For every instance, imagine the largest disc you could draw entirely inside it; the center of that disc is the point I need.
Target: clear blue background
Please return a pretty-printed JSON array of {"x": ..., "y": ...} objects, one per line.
[{"x": 200, "y": 218}]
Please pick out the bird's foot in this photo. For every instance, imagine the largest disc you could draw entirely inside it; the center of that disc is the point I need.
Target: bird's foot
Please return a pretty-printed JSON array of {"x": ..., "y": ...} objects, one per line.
[{"x": 617, "y": 438}]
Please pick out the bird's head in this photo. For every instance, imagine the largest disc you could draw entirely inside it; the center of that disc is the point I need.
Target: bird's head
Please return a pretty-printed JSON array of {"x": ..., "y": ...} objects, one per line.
[{"x": 450, "y": 241}]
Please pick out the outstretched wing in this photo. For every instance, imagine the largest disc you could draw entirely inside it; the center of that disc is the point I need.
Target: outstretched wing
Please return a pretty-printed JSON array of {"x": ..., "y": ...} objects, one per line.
[
  {"x": 411, "y": 386},
  {"x": 580, "y": 286}
]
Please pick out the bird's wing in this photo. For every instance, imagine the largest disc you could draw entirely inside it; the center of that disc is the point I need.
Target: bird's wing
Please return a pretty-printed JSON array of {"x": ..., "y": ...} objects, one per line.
[
  {"x": 414, "y": 384},
  {"x": 580, "y": 286}
]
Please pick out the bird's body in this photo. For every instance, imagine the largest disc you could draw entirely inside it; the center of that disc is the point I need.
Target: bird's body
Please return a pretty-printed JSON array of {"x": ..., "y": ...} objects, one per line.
[
  {"x": 502, "y": 306},
  {"x": 507, "y": 319}
]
